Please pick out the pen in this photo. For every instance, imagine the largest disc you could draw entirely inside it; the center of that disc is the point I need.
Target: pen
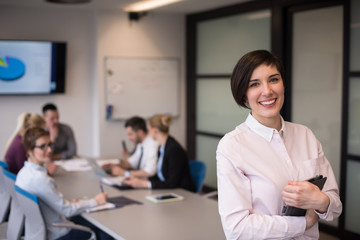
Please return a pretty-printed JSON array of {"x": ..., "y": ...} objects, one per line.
[{"x": 101, "y": 187}]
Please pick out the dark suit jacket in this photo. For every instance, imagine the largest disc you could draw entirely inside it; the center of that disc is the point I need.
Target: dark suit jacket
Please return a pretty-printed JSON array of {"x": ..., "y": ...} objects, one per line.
[{"x": 175, "y": 168}]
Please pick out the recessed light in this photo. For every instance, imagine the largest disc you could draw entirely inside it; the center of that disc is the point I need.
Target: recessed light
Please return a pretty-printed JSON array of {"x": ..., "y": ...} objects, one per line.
[
  {"x": 142, "y": 6},
  {"x": 68, "y": 1}
]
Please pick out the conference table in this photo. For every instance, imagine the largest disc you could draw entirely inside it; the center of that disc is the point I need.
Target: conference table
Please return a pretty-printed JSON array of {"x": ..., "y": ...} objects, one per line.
[{"x": 194, "y": 217}]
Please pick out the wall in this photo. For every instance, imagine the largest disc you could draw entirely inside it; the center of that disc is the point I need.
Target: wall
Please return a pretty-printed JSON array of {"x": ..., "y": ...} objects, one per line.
[
  {"x": 154, "y": 35},
  {"x": 91, "y": 35},
  {"x": 60, "y": 24}
]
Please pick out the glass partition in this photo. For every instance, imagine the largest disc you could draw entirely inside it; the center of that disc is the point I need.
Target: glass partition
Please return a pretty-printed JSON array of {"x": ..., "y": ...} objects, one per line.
[
  {"x": 206, "y": 152},
  {"x": 222, "y": 41},
  {"x": 317, "y": 77},
  {"x": 354, "y": 117},
  {"x": 355, "y": 36},
  {"x": 217, "y": 111},
  {"x": 352, "y": 197}
]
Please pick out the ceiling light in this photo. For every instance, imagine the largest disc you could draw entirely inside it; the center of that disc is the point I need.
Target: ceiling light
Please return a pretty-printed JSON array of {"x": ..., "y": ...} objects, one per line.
[
  {"x": 147, "y": 5},
  {"x": 68, "y": 1}
]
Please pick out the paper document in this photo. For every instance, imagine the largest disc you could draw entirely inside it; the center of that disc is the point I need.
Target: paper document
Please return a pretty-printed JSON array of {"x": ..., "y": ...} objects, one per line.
[
  {"x": 114, "y": 202},
  {"x": 101, "y": 207},
  {"x": 74, "y": 165},
  {"x": 113, "y": 181},
  {"x": 102, "y": 162}
]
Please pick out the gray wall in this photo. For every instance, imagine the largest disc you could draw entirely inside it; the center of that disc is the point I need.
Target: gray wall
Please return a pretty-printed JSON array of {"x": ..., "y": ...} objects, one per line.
[{"x": 91, "y": 36}]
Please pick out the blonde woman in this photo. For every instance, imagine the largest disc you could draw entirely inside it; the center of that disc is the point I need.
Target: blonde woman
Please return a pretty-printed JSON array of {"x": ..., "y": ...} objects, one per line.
[
  {"x": 172, "y": 167},
  {"x": 15, "y": 154}
]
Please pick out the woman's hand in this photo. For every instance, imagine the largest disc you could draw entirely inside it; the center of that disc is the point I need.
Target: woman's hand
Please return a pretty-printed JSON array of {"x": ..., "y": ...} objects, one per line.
[
  {"x": 136, "y": 182},
  {"x": 305, "y": 195},
  {"x": 311, "y": 218},
  {"x": 51, "y": 168},
  {"x": 101, "y": 198}
]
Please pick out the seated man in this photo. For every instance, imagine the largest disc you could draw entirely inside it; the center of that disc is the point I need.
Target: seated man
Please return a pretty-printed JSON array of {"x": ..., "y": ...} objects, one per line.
[
  {"x": 142, "y": 162},
  {"x": 60, "y": 134}
]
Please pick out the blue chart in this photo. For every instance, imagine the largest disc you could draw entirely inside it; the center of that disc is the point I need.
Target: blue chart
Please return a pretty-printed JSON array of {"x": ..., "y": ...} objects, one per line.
[{"x": 11, "y": 68}]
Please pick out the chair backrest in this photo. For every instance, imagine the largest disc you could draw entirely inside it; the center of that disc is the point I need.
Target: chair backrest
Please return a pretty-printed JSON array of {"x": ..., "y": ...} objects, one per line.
[
  {"x": 35, "y": 228},
  {"x": 4, "y": 195},
  {"x": 16, "y": 217},
  {"x": 4, "y": 165},
  {"x": 197, "y": 171}
]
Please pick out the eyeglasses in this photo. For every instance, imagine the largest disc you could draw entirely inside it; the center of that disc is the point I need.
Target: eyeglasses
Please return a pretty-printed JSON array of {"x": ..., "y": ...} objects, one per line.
[{"x": 45, "y": 146}]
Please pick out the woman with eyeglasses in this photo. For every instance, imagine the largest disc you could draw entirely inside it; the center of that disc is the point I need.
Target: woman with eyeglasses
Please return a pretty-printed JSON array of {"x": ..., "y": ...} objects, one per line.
[
  {"x": 33, "y": 178},
  {"x": 15, "y": 154}
]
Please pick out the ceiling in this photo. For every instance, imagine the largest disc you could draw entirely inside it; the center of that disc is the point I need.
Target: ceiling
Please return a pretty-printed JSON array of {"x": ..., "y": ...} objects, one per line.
[{"x": 184, "y": 7}]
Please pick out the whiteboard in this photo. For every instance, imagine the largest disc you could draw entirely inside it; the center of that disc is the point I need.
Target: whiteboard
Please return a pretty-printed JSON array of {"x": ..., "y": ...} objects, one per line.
[{"x": 141, "y": 87}]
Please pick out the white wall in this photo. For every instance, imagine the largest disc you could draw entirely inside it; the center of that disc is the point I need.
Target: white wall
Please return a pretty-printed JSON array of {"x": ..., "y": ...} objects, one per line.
[
  {"x": 74, "y": 27},
  {"x": 90, "y": 36},
  {"x": 153, "y": 35}
]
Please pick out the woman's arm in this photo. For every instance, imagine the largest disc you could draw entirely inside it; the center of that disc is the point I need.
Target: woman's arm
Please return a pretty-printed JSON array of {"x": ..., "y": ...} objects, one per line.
[
  {"x": 305, "y": 195},
  {"x": 175, "y": 159},
  {"x": 239, "y": 219},
  {"x": 53, "y": 198}
]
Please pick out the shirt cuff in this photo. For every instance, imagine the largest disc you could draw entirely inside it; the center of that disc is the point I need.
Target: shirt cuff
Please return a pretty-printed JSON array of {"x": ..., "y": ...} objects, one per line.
[
  {"x": 324, "y": 215},
  {"x": 127, "y": 174},
  {"x": 92, "y": 202},
  {"x": 296, "y": 226},
  {"x": 149, "y": 185}
]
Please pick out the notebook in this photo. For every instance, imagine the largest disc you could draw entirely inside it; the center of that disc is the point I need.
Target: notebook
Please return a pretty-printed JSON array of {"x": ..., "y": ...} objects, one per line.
[{"x": 114, "y": 202}]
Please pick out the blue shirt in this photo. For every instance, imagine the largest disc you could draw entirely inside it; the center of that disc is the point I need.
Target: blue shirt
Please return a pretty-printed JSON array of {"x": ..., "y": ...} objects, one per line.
[
  {"x": 160, "y": 163},
  {"x": 35, "y": 179}
]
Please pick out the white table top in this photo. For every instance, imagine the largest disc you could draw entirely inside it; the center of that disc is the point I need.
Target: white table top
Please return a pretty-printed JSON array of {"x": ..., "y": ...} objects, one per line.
[{"x": 195, "y": 217}]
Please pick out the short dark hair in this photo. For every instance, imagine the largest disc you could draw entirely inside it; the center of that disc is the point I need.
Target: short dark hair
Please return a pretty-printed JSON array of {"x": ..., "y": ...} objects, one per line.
[
  {"x": 244, "y": 69},
  {"x": 136, "y": 123},
  {"x": 31, "y": 135},
  {"x": 49, "y": 106}
]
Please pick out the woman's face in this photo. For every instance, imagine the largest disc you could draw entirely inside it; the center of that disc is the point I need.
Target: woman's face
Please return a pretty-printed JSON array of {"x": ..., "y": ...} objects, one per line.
[
  {"x": 42, "y": 151},
  {"x": 265, "y": 93}
]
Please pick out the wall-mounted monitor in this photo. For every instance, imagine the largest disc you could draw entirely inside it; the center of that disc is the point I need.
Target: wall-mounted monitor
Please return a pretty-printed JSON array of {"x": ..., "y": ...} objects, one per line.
[{"x": 32, "y": 67}]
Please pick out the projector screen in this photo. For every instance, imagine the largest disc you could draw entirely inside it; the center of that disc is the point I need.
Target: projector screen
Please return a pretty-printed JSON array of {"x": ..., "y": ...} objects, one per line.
[{"x": 32, "y": 67}]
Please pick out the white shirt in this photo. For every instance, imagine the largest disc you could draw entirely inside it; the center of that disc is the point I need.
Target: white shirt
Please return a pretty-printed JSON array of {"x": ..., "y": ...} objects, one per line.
[
  {"x": 149, "y": 156},
  {"x": 34, "y": 179},
  {"x": 254, "y": 164}
]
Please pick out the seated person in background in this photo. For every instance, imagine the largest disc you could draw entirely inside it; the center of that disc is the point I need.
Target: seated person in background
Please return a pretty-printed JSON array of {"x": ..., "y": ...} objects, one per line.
[
  {"x": 15, "y": 154},
  {"x": 34, "y": 179},
  {"x": 173, "y": 166},
  {"x": 60, "y": 134},
  {"x": 142, "y": 162}
]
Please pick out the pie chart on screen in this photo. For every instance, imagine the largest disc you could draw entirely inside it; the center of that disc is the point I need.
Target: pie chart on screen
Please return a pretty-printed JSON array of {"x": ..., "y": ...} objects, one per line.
[{"x": 11, "y": 68}]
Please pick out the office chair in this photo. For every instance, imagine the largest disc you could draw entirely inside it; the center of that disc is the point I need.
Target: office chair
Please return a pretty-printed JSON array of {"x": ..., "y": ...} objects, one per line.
[
  {"x": 35, "y": 227},
  {"x": 4, "y": 195},
  {"x": 197, "y": 171},
  {"x": 16, "y": 218}
]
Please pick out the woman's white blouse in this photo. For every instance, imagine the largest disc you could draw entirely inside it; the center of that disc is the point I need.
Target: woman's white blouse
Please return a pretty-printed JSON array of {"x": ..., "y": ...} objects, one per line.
[{"x": 254, "y": 164}]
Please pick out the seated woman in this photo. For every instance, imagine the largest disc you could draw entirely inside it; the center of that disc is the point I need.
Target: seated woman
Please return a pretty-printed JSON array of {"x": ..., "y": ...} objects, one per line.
[
  {"x": 15, "y": 154},
  {"x": 172, "y": 167},
  {"x": 33, "y": 178}
]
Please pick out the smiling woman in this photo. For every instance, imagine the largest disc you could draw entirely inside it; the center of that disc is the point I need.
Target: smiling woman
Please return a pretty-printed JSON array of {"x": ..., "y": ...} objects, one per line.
[
  {"x": 34, "y": 178},
  {"x": 264, "y": 163}
]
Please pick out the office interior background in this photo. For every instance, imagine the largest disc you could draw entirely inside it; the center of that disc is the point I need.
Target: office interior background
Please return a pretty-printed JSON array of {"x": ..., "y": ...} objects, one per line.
[{"x": 318, "y": 40}]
